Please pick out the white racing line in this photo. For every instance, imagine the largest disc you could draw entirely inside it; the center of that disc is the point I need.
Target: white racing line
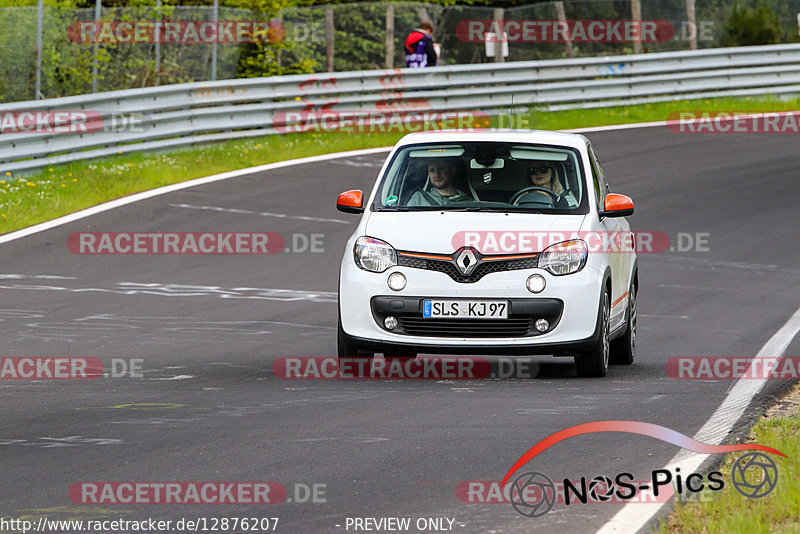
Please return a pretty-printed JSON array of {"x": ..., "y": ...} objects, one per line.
[
  {"x": 11, "y": 236},
  {"x": 632, "y": 517}
]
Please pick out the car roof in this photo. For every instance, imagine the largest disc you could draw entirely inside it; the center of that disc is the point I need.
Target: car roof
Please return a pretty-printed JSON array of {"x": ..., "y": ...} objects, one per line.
[{"x": 546, "y": 137}]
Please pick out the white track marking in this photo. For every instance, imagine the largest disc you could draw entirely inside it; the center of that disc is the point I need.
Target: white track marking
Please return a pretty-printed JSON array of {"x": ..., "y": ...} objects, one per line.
[
  {"x": 181, "y": 290},
  {"x": 178, "y": 377},
  {"x": 167, "y": 322},
  {"x": 617, "y": 127},
  {"x": 35, "y": 276},
  {"x": 259, "y": 213},
  {"x": 635, "y": 516},
  {"x": 632, "y": 516},
  {"x": 11, "y": 236},
  {"x": 177, "y": 187}
]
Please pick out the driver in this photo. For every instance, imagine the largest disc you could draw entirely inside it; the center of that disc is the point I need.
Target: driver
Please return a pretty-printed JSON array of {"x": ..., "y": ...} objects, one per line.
[
  {"x": 441, "y": 175},
  {"x": 543, "y": 174}
]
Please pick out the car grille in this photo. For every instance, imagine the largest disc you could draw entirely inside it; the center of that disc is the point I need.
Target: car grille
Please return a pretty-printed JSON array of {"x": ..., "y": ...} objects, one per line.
[
  {"x": 523, "y": 314},
  {"x": 449, "y": 268},
  {"x": 417, "y": 326}
]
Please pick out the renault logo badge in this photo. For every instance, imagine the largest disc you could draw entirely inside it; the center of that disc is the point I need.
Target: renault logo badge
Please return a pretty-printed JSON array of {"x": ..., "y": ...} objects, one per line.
[{"x": 466, "y": 261}]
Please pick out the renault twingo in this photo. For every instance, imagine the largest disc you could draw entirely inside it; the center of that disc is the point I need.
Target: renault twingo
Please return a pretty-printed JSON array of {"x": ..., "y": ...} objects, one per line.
[{"x": 503, "y": 242}]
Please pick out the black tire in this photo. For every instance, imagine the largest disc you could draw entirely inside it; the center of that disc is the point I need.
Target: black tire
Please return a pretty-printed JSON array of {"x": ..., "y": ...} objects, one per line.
[
  {"x": 623, "y": 350},
  {"x": 349, "y": 350},
  {"x": 594, "y": 362},
  {"x": 401, "y": 354}
]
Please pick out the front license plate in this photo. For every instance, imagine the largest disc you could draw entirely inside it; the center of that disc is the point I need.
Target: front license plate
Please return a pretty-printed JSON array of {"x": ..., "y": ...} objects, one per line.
[{"x": 465, "y": 309}]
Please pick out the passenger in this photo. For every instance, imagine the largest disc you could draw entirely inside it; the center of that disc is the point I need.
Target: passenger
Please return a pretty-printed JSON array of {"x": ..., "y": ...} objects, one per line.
[
  {"x": 441, "y": 175},
  {"x": 543, "y": 174}
]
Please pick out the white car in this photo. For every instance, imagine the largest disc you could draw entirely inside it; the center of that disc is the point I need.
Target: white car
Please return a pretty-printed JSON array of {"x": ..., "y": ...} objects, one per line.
[{"x": 493, "y": 242}]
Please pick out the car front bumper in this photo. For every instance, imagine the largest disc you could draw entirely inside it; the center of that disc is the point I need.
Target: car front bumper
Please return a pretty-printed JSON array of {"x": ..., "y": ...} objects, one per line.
[{"x": 570, "y": 303}]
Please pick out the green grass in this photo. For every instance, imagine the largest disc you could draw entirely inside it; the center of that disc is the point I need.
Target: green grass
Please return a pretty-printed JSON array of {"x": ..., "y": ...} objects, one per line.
[
  {"x": 62, "y": 189},
  {"x": 31, "y": 198},
  {"x": 584, "y": 118},
  {"x": 728, "y": 512}
]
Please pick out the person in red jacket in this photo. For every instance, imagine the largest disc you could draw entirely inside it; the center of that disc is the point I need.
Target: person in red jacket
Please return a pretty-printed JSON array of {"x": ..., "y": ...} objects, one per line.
[{"x": 419, "y": 47}]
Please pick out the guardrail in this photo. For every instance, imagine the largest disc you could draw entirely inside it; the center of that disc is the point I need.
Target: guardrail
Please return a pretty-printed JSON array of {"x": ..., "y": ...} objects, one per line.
[{"x": 184, "y": 114}]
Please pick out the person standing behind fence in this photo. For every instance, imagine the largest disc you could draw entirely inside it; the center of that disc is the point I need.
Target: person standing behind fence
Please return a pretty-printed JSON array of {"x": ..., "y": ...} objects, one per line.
[{"x": 419, "y": 47}]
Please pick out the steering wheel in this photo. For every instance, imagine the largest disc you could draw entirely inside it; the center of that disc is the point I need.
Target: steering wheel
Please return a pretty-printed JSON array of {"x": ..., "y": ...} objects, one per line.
[{"x": 521, "y": 192}]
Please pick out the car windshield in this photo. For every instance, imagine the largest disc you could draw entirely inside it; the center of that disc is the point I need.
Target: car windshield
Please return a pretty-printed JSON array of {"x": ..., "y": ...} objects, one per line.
[{"x": 484, "y": 176}]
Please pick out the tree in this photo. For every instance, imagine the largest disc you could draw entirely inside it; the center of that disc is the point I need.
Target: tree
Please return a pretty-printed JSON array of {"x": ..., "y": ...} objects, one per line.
[{"x": 748, "y": 26}]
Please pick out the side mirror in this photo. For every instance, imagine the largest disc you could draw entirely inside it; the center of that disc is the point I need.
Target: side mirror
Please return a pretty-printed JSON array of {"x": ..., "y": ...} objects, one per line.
[
  {"x": 617, "y": 206},
  {"x": 351, "y": 201}
]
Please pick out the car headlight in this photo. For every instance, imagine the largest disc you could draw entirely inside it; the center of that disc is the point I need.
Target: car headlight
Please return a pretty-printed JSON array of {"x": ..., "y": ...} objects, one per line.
[
  {"x": 374, "y": 255},
  {"x": 566, "y": 257}
]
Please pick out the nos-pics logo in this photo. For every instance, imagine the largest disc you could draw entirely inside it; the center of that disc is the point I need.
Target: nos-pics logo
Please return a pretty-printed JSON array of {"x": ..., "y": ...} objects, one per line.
[{"x": 533, "y": 494}]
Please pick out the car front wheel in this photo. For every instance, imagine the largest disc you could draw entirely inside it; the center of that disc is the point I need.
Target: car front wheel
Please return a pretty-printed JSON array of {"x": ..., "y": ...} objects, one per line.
[
  {"x": 594, "y": 362},
  {"x": 623, "y": 349},
  {"x": 346, "y": 349}
]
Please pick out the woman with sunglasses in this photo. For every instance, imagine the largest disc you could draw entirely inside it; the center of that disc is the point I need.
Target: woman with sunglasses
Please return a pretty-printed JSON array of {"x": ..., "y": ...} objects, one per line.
[{"x": 543, "y": 174}]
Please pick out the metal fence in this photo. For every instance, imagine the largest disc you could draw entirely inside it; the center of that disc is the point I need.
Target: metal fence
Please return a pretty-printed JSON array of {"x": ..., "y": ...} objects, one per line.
[
  {"x": 185, "y": 114},
  {"x": 338, "y": 37}
]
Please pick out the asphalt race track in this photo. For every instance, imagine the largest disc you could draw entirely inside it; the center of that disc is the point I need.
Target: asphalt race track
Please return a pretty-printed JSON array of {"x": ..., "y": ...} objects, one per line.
[{"x": 206, "y": 329}]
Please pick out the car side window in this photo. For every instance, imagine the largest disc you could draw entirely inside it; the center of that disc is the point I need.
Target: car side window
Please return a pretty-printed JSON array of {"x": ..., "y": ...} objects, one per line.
[{"x": 599, "y": 180}]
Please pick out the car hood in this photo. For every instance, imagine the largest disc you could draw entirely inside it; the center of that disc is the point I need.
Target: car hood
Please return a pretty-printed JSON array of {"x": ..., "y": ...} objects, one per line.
[{"x": 443, "y": 232}]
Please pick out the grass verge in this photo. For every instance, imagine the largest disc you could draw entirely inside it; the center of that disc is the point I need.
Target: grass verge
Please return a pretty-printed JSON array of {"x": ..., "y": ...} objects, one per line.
[
  {"x": 729, "y": 512},
  {"x": 32, "y": 198}
]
